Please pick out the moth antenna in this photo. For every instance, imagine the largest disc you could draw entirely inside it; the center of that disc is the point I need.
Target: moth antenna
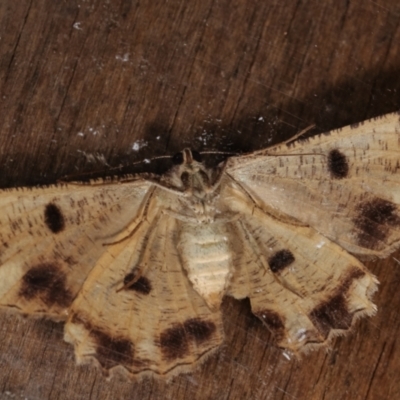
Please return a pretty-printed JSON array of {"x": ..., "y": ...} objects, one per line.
[
  {"x": 297, "y": 135},
  {"x": 81, "y": 175},
  {"x": 395, "y": 259},
  {"x": 142, "y": 214},
  {"x": 229, "y": 153},
  {"x": 224, "y": 153},
  {"x": 296, "y": 154}
]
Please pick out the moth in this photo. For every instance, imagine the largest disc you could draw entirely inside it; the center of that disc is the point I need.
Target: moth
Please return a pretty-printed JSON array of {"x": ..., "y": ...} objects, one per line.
[{"x": 137, "y": 267}]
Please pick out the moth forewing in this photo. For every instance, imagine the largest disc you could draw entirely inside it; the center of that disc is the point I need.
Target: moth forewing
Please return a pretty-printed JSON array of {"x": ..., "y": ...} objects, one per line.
[
  {"x": 51, "y": 237},
  {"x": 348, "y": 191}
]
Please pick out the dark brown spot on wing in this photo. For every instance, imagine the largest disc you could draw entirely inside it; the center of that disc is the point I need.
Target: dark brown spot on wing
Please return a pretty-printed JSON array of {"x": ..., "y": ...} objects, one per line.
[
  {"x": 338, "y": 164},
  {"x": 273, "y": 321},
  {"x": 333, "y": 313},
  {"x": 354, "y": 273},
  {"x": 46, "y": 282},
  {"x": 374, "y": 219},
  {"x": 174, "y": 342},
  {"x": 280, "y": 260},
  {"x": 199, "y": 330},
  {"x": 54, "y": 218},
  {"x": 379, "y": 211},
  {"x": 110, "y": 350},
  {"x": 142, "y": 285}
]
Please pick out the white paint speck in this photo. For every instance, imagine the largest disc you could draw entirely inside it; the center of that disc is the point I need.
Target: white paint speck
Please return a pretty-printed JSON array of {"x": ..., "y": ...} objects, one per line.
[
  {"x": 123, "y": 58},
  {"x": 139, "y": 144},
  {"x": 93, "y": 131},
  {"x": 301, "y": 334}
]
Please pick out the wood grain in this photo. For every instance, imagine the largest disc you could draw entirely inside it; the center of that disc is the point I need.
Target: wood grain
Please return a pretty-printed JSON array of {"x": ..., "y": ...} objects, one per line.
[{"x": 83, "y": 84}]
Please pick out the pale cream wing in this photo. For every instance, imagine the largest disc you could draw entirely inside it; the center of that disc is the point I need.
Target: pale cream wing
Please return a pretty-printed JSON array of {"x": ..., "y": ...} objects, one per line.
[
  {"x": 344, "y": 183},
  {"x": 304, "y": 287},
  {"x": 51, "y": 237},
  {"x": 159, "y": 325}
]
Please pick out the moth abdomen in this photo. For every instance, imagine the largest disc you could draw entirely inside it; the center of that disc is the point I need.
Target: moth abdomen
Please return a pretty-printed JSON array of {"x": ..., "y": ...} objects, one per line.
[{"x": 207, "y": 259}]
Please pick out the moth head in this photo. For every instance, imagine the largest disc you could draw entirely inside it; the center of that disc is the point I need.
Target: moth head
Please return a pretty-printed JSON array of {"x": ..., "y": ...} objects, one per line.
[
  {"x": 187, "y": 157},
  {"x": 190, "y": 174}
]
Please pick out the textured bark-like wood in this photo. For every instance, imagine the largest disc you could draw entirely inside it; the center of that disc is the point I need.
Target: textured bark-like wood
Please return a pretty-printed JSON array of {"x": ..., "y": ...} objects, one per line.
[{"x": 83, "y": 84}]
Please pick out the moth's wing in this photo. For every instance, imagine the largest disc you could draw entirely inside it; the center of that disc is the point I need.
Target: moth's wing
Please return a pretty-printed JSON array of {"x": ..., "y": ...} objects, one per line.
[
  {"x": 158, "y": 326},
  {"x": 51, "y": 237},
  {"x": 305, "y": 288},
  {"x": 344, "y": 183}
]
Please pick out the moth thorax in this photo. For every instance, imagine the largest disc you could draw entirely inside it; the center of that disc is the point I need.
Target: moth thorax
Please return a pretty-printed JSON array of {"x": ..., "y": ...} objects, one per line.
[
  {"x": 197, "y": 182},
  {"x": 207, "y": 260}
]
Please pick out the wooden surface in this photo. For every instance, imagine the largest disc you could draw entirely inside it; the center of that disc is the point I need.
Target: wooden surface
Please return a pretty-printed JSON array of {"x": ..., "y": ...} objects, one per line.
[{"x": 88, "y": 85}]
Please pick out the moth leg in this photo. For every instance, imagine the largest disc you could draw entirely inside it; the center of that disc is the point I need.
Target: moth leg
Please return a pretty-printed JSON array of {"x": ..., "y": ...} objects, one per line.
[
  {"x": 272, "y": 212},
  {"x": 218, "y": 174},
  {"x": 143, "y": 263},
  {"x": 142, "y": 215}
]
